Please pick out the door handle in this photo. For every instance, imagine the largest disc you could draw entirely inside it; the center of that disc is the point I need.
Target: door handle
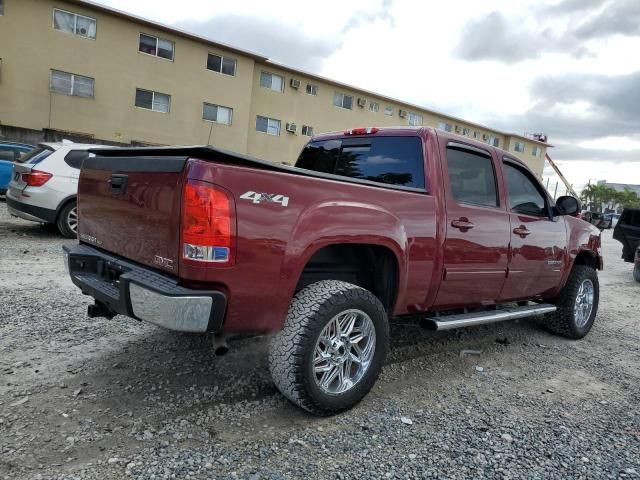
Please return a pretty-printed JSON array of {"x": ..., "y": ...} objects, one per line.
[
  {"x": 522, "y": 231},
  {"x": 462, "y": 223}
]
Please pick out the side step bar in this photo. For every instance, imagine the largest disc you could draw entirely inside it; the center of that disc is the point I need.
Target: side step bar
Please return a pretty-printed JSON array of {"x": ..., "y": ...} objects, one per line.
[{"x": 449, "y": 322}]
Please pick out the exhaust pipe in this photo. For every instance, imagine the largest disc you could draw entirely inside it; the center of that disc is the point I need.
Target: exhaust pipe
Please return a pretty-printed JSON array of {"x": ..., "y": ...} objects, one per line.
[{"x": 220, "y": 345}]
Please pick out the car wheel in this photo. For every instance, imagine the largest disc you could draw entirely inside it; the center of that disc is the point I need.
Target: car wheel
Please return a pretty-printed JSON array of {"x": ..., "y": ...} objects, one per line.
[
  {"x": 332, "y": 347},
  {"x": 68, "y": 220},
  {"x": 577, "y": 304},
  {"x": 636, "y": 272}
]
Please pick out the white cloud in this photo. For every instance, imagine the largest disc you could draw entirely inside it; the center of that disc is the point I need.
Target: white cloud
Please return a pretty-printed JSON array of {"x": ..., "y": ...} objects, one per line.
[
  {"x": 625, "y": 144},
  {"x": 411, "y": 50}
]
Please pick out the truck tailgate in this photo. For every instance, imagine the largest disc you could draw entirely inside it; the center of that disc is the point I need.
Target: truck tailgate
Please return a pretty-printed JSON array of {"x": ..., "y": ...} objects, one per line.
[{"x": 130, "y": 206}]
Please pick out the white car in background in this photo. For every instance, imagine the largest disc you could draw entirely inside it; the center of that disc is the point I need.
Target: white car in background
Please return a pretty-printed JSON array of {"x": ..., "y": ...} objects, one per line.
[{"x": 44, "y": 185}]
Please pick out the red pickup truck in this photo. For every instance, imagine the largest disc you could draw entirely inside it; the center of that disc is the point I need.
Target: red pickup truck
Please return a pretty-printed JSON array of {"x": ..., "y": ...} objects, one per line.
[{"x": 370, "y": 223}]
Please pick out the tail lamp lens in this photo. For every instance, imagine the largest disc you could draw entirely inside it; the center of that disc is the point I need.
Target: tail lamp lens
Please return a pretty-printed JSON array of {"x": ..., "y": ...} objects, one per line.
[
  {"x": 207, "y": 224},
  {"x": 36, "y": 178}
]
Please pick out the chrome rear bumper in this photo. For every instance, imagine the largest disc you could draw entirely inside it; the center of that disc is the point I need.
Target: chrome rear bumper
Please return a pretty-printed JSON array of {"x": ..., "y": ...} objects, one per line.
[{"x": 121, "y": 287}]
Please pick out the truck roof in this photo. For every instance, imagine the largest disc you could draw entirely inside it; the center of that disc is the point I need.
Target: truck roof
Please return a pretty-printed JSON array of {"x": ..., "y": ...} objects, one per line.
[{"x": 420, "y": 131}]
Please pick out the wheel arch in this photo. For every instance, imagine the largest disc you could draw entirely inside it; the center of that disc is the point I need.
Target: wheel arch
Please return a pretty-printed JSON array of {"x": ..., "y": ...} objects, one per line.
[
  {"x": 64, "y": 203},
  {"x": 372, "y": 266},
  {"x": 588, "y": 258}
]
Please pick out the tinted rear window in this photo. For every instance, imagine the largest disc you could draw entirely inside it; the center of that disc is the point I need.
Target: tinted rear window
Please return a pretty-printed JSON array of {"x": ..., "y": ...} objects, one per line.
[
  {"x": 391, "y": 160},
  {"x": 36, "y": 155},
  {"x": 630, "y": 217}
]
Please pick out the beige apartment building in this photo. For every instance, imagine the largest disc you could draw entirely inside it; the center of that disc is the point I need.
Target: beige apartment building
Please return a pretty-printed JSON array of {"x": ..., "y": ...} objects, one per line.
[{"x": 71, "y": 67}]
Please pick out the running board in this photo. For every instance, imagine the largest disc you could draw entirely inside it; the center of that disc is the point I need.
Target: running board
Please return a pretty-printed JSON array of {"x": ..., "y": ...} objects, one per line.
[{"x": 449, "y": 322}]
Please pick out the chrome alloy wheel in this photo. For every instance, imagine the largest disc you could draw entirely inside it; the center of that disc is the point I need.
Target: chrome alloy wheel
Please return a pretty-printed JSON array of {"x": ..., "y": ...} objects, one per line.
[
  {"x": 584, "y": 303},
  {"x": 344, "y": 351},
  {"x": 72, "y": 219}
]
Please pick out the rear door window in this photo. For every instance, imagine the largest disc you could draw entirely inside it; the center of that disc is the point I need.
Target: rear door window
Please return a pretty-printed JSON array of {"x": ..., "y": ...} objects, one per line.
[
  {"x": 630, "y": 217},
  {"x": 7, "y": 154},
  {"x": 472, "y": 177},
  {"x": 390, "y": 160}
]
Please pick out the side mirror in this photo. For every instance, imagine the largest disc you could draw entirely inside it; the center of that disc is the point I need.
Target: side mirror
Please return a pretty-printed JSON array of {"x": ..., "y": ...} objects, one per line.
[{"x": 567, "y": 205}]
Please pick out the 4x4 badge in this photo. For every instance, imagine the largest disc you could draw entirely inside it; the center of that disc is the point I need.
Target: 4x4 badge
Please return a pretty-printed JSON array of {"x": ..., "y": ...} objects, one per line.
[{"x": 256, "y": 197}]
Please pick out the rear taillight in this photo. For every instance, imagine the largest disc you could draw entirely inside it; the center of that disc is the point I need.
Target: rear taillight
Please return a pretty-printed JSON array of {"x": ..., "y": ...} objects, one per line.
[
  {"x": 36, "y": 178},
  {"x": 208, "y": 224}
]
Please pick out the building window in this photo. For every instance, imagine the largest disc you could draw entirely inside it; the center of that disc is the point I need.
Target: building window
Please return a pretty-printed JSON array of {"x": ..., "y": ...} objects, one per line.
[
  {"x": 374, "y": 106},
  {"x": 73, "y": 23},
  {"x": 220, "y": 64},
  {"x": 414, "y": 119},
  {"x": 307, "y": 131},
  {"x": 388, "y": 111},
  {"x": 447, "y": 127},
  {"x": 272, "y": 81},
  {"x": 475, "y": 134},
  {"x": 71, "y": 84},
  {"x": 536, "y": 151},
  {"x": 312, "y": 89},
  {"x": 217, "y": 113},
  {"x": 158, "y": 47},
  {"x": 270, "y": 126},
  {"x": 495, "y": 141},
  {"x": 343, "y": 101},
  {"x": 149, "y": 100},
  {"x": 465, "y": 132},
  {"x": 519, "y": 147}
]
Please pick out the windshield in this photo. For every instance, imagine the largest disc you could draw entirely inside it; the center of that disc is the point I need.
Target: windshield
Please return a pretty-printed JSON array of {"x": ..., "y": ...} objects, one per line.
[{"x": 36, "y": 155}]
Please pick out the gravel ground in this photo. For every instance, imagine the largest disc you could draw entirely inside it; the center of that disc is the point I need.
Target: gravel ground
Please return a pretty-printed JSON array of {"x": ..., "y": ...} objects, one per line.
[{"x": 98, "y": 399}]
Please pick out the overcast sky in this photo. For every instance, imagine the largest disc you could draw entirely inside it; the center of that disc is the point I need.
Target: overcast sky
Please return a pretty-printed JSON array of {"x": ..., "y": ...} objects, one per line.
[{"x": 569, "y": 68}]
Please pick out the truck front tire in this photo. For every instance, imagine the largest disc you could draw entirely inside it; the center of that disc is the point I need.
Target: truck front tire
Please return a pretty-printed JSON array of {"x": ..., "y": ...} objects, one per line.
[
  {"x": 636, "y": 272},
  {"x": 332, "y": 347},
  {"x": 577, "y": 304}
]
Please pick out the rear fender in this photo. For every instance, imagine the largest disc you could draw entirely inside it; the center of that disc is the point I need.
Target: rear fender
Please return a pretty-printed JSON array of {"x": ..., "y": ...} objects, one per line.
[{"x": 338, "y": 222}]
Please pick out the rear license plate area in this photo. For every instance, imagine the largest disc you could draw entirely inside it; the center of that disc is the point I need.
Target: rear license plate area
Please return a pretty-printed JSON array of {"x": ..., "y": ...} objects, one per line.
[{"x": 105, "y": 271}]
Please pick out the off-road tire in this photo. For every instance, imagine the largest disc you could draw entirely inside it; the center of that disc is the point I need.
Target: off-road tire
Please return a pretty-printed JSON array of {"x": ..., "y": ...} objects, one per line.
[
  {"x": 562, "y": 321},
  {"x": 63, "y": 220},
  {"x": 292, "y": 349},
  {"x": 636, "y": 272}
]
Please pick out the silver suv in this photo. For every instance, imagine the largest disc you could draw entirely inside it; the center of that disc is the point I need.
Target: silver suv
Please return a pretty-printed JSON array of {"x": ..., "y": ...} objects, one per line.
[{"x": 44, "y": 185}]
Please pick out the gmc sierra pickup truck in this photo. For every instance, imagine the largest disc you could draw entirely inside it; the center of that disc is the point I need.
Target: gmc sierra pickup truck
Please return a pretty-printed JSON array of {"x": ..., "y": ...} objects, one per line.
[{"x": 370, "y": 223}]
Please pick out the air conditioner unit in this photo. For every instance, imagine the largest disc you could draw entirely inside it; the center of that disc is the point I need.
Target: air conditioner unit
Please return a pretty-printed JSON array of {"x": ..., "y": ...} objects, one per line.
[
  {"x": 362, "y": 102},
  {"x": 291, "y": 127},
  {"x": 295, "y": 83},
  {"x": 402, "y": 113}
]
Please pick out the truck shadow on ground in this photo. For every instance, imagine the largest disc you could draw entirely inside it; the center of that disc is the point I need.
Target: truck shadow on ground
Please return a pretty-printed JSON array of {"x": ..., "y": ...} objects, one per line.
[{"x": 182, "y": 370}]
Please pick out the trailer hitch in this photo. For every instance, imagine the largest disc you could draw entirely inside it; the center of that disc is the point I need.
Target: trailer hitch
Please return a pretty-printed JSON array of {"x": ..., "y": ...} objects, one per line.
[{"x": 99, "y": 309}]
